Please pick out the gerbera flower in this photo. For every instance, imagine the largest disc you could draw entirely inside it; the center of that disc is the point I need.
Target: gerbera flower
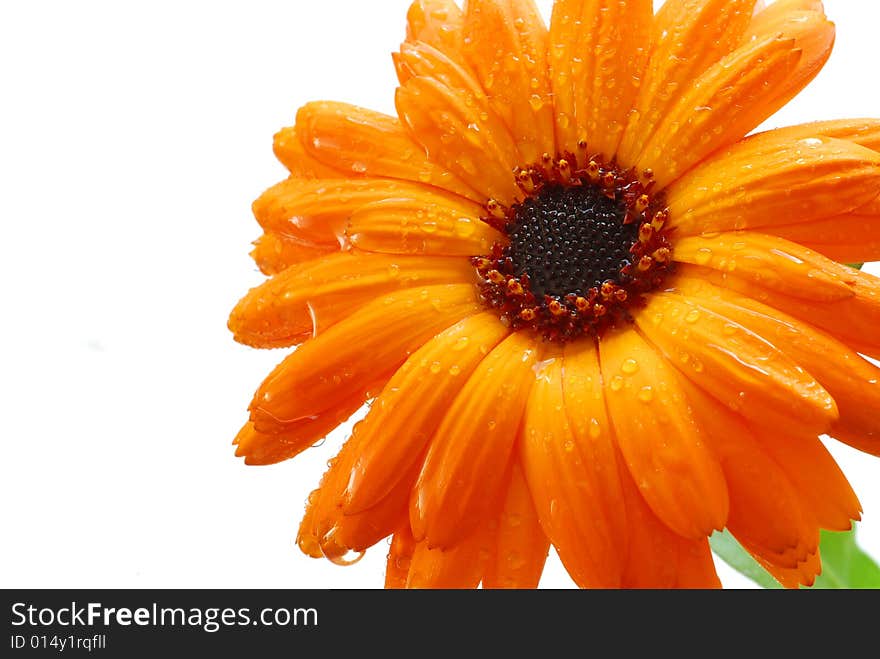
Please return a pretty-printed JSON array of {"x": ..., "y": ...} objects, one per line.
[{"x": 587, "y": 309}]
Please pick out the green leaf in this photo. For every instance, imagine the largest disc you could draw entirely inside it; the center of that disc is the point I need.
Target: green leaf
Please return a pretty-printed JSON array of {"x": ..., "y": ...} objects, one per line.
[
  {"x": 731, "y": 552},
  {"x": 844, "y": 564},
  {"x": 857, "y": 266}
]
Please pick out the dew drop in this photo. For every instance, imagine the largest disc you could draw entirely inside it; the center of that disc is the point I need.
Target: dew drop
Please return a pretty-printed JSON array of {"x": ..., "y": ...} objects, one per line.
[
  {"x": 630, "y": 366},
  {"x": 703, "y": 256},
  {"x": 435, "y": 367},
  {"x": 595, "y": 429},
  {"x": 616, "y": 383},
  {"x": 646, "y": 394},
  {"x": 461, "y": 343},
  {"x": 692, "y": 316},
  {"x": 455, "y": 369}
]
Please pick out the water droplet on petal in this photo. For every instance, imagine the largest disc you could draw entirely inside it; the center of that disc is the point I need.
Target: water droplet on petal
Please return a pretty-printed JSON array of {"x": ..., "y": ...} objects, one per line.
[{"x": 630, "y": 366}]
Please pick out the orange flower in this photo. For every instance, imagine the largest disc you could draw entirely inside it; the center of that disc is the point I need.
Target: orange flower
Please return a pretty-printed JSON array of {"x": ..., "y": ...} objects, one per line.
[{"x": 588, "y": 311}]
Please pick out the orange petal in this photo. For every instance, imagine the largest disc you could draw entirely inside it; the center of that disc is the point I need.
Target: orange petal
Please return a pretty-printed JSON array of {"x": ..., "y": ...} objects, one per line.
[
  {"x": 406, "y": 415},
  {"x": 801, "y": 20},
  {"x": 260, "y": 448},
  {"x": 290, "y": 152},
  {"x": 584, "y": 394},
  {"x": 318, "y": 210},
  {"x": 326, "y": 531},
  {"x": 403, "y": 545},
  {"x": 853, "y": 382},
  {"x": 449, "y": 123},
  {"x": 359, "y": 532},
  {"x": 689, "y": 37},
  {"x": 662, "y": 443},
  {"x": 273, "y": 252},
  {"x": 361, "y": 142},
  {"x": 865, "y": 132},
  {"x": 804, "y": 574},
  {"x": 766, "y": 511},
  {"x": 460, "y": 566},
  {"x": 814, "y": 473},
  {"x": 416, "y": 226},
  {"x": 505, "y": 42},
  {"x": 517, "y": 555},
  {"x": 658, "y": 557},
  {"x": 726, "y": 102},
  {"x": 467, "y": 458},
  {"x": 566, "y": 483},
  {"x": 797, "y": 181},
  {"x": 853, "y": 321},
  {"x": 770, "y": 262},
  {"x": 597, "y": 53},
  {"x": 735, "y": 365},
  {"x": 850, "y": 238},
  {"x": 351, "y": 354},
  {"x": 438, "y": 23},
  {"x": 306, "y": 300}
]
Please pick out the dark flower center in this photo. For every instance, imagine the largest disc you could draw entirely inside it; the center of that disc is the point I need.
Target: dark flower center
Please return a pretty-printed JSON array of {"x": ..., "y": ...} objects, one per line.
[
  {"x": 583, "y": 247},
  {"x": 570, "y": 239}
]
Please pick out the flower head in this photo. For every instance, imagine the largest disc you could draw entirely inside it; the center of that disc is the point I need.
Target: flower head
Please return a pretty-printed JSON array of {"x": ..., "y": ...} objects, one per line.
[{"x": 588, "y": 309}]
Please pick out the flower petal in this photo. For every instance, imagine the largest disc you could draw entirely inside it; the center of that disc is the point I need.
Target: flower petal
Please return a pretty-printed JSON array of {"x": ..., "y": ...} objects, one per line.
[
  {"x": 850, "y": 238},
  {"x": 460, "y": 566},
  {"x": 801, "y": 20},
  {"x": 318, "y": 210},
  {"x": 326, "y": 531},
  {"x": 566, "y": 485},
  {"x": 853, "y": 320},
  {"x": 350, "y": 355},
  {"x": 727, "y": 101},
  {"x": 814, "y": 473},
  {"x": 662, "y": 443},
  {"x": 803, "y": 575},
  {"x": 407, "y": 413},
  {"x": 416, "y": 226},
  {"x": 766, "y": 511},
  {"x": 598, "y": 50},
  {"x": 689, "y": 37},
  {"x": 770, "y": 262},
  {"x": 735, "y": 365},
  {"x": 403, "y": 545},
  {"x": 290, "y": 152},
  {"x": 657, "y": 556},
  {"x": 505, "y": 43},
  {"x": 853, "y": 382},
  {"x": 449, "y": 123},
  {"x": 305, "y": 300},
  {"x": 517, "y": 555},
  {"x": 259, "y": 448},
  {"x": 438, "y": 23},
  {"x": 466, "y": 461},
  {"x": 360, "y": 142},
  {"x": 865, "y": 132},
  {"x": 273, "y": 252},
  {"x": 794, "y": 181}
]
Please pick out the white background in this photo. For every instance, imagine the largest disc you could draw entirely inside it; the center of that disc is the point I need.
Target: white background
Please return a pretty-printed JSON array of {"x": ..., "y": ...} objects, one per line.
[{"x": 134, "y": 137}]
